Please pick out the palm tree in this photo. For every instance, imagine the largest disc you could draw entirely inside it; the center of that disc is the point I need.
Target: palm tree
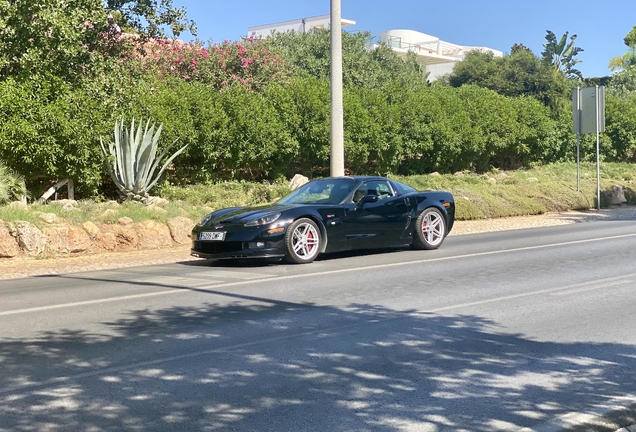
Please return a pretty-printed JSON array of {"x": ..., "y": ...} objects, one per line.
[
  {"x": 560, "y": 54},
  {"x": 629, "y": 58}
]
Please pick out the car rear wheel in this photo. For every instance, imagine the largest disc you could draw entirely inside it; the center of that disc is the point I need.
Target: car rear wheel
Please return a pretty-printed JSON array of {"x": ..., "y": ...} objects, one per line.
[
  {"x": 302, "y": 241},
  {"x": 430, "y": 229}
]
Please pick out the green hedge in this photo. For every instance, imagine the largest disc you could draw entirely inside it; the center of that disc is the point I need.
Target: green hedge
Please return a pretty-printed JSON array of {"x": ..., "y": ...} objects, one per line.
[{"x": 239, "y": 134}]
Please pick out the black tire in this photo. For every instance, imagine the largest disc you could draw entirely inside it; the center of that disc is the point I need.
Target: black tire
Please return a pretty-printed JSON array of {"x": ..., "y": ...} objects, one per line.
[
  {"x": 430, "y": 229},
  {"x": 302, "y": 241}
]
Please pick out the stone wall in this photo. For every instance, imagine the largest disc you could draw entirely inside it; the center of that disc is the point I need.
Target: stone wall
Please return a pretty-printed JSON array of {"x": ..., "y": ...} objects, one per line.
[{"x": 22, "y": 238}]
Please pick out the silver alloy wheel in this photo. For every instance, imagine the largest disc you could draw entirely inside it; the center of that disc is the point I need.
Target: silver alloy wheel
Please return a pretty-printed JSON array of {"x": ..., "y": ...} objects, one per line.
[
  {"x": 305, "y": 241},
  {"x": 433, "y": 228}
]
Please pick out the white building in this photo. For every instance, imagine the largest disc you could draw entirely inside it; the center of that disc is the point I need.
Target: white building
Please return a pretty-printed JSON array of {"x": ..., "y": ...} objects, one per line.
[
  {"x": 438, "y": 56},
  {"x": 301, "y": 25}
]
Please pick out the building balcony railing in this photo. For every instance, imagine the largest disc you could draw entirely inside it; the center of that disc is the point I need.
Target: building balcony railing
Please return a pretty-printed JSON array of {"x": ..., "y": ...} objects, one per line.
[{"x": 432, "y": 48}]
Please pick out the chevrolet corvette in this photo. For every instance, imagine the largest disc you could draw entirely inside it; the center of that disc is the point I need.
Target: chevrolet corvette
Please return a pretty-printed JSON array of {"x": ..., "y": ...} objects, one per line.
[{"x": 328, "y": 215}]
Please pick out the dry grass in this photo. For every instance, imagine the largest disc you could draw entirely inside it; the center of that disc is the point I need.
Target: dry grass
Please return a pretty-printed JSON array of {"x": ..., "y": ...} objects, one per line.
[{"x": 545, "y": 189}]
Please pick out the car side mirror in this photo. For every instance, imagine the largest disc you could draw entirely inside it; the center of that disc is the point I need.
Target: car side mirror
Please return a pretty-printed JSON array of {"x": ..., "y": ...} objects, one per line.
[{"x": 367, "y": 199}]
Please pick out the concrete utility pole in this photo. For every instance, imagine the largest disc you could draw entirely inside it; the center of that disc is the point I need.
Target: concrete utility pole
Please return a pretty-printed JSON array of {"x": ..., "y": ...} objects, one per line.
[{"x": 337, "y": 116}]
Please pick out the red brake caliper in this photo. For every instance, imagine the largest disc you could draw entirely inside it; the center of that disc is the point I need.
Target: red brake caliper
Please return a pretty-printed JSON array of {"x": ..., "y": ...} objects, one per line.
[{"x": 310, "y": 236}]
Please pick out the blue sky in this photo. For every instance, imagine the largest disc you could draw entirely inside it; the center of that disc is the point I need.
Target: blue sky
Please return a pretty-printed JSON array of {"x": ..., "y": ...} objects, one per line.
[{"x": 600, "y": 25}]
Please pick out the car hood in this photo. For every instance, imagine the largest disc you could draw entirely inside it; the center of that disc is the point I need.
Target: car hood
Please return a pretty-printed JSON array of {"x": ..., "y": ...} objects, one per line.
[{"x": 243, "y": 215}]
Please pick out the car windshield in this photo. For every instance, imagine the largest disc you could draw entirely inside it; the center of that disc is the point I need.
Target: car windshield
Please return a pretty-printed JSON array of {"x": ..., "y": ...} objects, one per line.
[{"x": 324, "y": 191}]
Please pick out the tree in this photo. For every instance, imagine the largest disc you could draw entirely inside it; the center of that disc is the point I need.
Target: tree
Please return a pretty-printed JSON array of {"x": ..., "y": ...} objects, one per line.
[
  {"x": 55, "y": 38},
  {"x": 70, "y": 40},
  {"x": 519, "y": 47},
  {"x": 363, "y": 66},
  {"x": 629, "y": 58},
  {"x": 561, "y": 54},
  {"x": 149, "y": 18},
  {"x": 518, "y": 74},
  {"x": 623, "y": 83}
]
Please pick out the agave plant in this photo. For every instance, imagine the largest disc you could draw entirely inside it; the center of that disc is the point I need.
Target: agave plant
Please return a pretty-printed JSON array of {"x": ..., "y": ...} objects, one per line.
[
  {"x": 12, "y": 185},
  {"x": 132, "y": 160}
]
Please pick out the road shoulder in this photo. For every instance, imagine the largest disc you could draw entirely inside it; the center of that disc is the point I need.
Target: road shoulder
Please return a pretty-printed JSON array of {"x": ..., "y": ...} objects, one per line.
[{"x": 24, "y": 267}]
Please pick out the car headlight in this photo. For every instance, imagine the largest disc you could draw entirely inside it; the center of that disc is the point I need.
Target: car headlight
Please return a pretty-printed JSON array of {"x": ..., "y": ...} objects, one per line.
[
  {"x": 205, "y": 220},
  {"x": 264, "y": 220}
]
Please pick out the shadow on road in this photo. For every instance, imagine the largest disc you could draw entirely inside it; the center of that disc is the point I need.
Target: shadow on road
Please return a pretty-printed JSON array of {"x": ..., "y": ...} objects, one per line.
[
  {"x": 280, "y": 366},
  {"x": 265, "y": 262}
]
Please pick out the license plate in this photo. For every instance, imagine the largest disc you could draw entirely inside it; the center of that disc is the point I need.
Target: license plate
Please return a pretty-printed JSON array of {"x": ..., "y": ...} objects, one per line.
[{"x": 212, "y": 235}]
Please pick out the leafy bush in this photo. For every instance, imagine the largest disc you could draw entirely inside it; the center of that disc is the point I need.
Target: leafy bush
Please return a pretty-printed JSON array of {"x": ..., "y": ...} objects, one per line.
[
  {"x": 621, "y": 128},
  {"x": 12, "y": 185},
  {"x": 225, "y": 194},
  {"x": 364, "y": 65},
  {"x": 250, "y": 63},
  {"x": 51, "y": 133}
]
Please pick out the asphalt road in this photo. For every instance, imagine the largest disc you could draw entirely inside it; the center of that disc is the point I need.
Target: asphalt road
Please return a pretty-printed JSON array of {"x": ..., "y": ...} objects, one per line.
[{"x": 520, "y": 330}]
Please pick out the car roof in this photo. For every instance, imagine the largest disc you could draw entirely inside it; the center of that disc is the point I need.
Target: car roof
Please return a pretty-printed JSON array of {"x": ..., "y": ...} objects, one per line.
[{"x": 357, "y": 178}]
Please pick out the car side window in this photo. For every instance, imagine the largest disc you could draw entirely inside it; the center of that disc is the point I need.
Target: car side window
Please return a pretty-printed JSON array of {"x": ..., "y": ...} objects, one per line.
[
  {"x": 384, "y": 190},
  {"x": 375, "y": 187}
]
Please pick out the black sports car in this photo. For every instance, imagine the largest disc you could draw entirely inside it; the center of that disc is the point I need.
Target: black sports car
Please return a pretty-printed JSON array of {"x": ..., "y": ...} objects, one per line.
[{"x": 328, "y": 215}]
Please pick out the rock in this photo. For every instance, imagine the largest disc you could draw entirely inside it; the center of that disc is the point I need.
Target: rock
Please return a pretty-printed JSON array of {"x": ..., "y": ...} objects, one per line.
[
  {"x": 153, "y": 235},
  {"x": 66, "y": 204},
  {"x": 435, "y": 174},
  {"x": 30, "y": 238},
  {"x": 180, "y": 229},
  {"x": 108, "y": 213},
  {"x": 66, "y": 239},
  {"x": 617, "y": 196},
  {"x": 532, "y": 180},
  {"x": 17, "y": 204},
  {"x": 459, "y": 174},
  {"x": 49, "y": 218},
  {"x": 297, "y": 181},
  {"x": 157, "y": 209},
  {"x": 492, "y": 180},
  {"x": 8, "y": 245},
  {"x": 125, "y": 221},
  {"x": 501, "y": 176},
  {"x": 106, "y": 241},
  {"x": 124, "y": 238},
  {"x": 158, "y": 201},
  {"x": 91, "y": 229}
]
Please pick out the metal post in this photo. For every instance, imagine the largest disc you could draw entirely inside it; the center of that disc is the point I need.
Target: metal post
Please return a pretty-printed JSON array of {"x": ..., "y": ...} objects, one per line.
[
  {"x": 598, "y": 151},
  {"x": 578, "y": 162},
  {"x": 578, "y": 141},
  {"x": 337, "y": 116}
]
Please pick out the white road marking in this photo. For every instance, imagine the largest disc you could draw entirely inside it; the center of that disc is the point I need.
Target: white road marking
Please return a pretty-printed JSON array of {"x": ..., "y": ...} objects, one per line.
[
  {"x": 580, "y": 290},
  {"x": 568, "y": 289},
  {"x": 326, "y": 273},
  {"x": 175, "y": 281},
  {"x": 89, "y": 302},
  {"x": 234, "y": 275}
]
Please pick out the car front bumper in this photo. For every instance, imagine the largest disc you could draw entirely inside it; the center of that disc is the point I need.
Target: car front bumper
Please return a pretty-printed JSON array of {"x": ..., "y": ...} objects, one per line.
[
  {"x": 252, "y": 243},
  {"x": 237, "y": 250}
]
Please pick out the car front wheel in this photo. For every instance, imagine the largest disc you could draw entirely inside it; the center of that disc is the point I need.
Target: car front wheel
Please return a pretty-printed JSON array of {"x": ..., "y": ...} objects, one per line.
[
  {"x": 302, "y": 241},
  {"x": 430, "y": 229}
]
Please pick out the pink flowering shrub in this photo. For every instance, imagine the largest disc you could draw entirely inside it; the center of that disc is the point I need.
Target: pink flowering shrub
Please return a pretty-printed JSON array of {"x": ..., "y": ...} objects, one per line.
[{"x": 249, "y": 62}]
